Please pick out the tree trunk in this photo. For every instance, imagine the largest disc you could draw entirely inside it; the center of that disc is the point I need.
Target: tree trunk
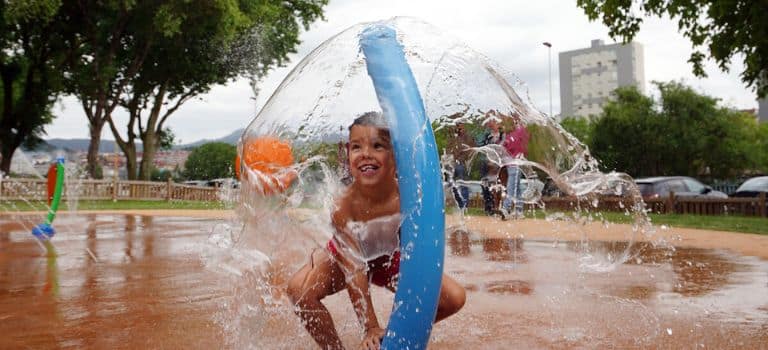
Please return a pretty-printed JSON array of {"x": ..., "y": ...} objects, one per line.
[
  {"x": 93, "y": 150},
  {"x": 147, "y": 160},
  {"x": 149, "y": 136},
  {"x": 7, "y": 75},
  {"x": 128, "y": 147},
  {"x": 5, "y": 161},
  {"x": 130, "y": 162}
]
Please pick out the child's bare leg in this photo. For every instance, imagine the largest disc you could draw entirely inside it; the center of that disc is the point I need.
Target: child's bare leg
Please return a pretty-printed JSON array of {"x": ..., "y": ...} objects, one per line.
[
  {"x": 452, "y": 298},
  {"x": 313, "y": 282}
]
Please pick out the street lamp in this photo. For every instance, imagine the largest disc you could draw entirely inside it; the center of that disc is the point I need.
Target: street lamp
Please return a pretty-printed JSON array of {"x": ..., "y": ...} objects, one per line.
[{"x": 549, "y": 53}]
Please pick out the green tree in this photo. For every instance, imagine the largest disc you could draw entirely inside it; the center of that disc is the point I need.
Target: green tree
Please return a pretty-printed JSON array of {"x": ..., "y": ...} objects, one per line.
[
  {"x": 166, "y": 139},
  {"x": 626, "y": 136},
  {"x": 232, "y": 41},
  {"x": 581, "y": 128},
  {"x": 210, "y": 161},
  {"x": 685, "y": 133},
  {"x": 152, "y": 57},
  {"x": 30, "y": 72},
  {"x": 160, "y": 175},
  {"x": 761, "y": 148},
  {"x": 726, "y": 28},
  {"x": 707, "y": 140}
]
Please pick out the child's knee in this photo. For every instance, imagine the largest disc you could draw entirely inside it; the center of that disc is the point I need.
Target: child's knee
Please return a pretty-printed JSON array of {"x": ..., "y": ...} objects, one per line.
[
  {"x": 294, "y": 290},
  {"x": 458, "y": 298},
  {"x": 298, "y": 290},
  {"x": 454, "y": 299}
]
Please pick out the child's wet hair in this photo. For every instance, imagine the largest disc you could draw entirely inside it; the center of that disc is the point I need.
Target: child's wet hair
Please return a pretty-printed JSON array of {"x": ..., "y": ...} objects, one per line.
[{"x": 374, "y": 119}]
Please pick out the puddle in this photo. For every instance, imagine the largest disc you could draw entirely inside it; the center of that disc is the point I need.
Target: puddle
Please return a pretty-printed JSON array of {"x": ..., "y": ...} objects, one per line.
[{"x": 145, "y": 286}]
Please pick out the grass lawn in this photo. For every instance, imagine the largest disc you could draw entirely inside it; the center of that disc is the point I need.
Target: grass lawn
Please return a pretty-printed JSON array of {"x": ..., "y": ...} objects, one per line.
[
  {"x": 744, "y": 224},
  {"x": 117, "y": 205}
]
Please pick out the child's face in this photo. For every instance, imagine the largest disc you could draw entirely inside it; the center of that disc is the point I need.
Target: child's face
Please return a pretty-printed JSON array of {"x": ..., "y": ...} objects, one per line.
[{"x": 371, "y": 160}]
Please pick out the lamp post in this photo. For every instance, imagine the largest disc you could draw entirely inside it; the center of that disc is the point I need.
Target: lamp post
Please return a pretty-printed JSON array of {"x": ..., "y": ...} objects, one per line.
[{"x": 549, "y": 53}]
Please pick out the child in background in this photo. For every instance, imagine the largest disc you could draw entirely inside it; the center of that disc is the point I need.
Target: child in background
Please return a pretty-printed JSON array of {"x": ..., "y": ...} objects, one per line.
[
  {"x": 516, "y": 144},
  {"x": 364, "y": 249},
  {"x": 457, "y": 151},
  {"x": 489, "y": 171}
]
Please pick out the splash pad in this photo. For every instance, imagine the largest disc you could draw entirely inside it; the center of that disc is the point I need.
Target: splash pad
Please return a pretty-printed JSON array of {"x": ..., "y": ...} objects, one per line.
[
  {"x": 531, "y": 283},
  {"x": 317, "y": 102},
  {"x": 149, "y": 289}
]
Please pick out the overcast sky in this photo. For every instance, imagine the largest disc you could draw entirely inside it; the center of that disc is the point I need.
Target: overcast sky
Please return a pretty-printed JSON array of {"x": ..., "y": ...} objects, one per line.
[{"x": 509, "y": 32}]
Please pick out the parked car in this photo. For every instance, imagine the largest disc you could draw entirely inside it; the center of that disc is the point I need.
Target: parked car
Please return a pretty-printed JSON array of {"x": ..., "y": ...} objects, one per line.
[
  {"x": 752, "y": 187},
  {"x": 682, "y": 186}
]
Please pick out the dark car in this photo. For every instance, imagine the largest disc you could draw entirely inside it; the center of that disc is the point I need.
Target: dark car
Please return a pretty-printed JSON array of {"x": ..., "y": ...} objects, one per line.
[
  {"x": 682, "y": 186},
  {"x": 752, "y": 187}
]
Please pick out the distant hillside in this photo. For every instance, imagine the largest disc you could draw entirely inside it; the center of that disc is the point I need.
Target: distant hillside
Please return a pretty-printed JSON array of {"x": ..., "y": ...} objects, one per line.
[
  {"x": 108, "y": 146},
  {"x": 81, "y": 145},
  {"x": 230, "y": 139}
]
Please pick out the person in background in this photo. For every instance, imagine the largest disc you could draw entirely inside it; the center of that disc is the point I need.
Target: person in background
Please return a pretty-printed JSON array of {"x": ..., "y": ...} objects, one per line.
[
  {"x": 457, "y": 147},
  {"x": 516, "y": 144},
  {"x": 489, "y": 171}
]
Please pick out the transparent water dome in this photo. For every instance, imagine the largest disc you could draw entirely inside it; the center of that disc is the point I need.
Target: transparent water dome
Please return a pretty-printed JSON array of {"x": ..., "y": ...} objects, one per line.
[{"x": 294, "y": 151}]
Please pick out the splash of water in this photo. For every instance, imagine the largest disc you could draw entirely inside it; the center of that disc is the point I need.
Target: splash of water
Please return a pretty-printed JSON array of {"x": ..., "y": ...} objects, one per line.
[{"x": 313, "y": 108}]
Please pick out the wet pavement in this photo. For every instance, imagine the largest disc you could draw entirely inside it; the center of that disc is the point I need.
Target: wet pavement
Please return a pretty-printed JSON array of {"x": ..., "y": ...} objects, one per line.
[{"x": 128, "y": 281}]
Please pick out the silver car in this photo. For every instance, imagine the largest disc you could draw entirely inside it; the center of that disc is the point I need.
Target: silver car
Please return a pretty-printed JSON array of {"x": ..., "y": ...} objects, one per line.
[{"x": 682, "y": 186}]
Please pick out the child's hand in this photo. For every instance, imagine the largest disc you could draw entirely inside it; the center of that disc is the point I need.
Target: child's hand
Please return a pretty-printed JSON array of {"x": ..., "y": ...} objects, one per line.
[{"x": 372, "y": 339}]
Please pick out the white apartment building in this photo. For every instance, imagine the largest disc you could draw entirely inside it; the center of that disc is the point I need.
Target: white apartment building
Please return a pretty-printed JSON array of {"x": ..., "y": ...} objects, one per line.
[{"x": 588, "y": 76}]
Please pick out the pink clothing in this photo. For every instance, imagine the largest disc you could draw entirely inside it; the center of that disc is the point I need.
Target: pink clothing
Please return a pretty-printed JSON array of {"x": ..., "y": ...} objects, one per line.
[{"x": 516, "y": 142}]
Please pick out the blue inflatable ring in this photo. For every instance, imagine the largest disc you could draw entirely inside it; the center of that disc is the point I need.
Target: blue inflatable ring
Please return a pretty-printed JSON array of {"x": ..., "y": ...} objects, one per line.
[{"x": 422, "y": 243}]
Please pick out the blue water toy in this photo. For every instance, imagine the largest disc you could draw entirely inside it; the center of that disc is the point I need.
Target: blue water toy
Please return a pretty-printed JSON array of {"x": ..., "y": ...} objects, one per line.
[{"x": 422, "y": 242}]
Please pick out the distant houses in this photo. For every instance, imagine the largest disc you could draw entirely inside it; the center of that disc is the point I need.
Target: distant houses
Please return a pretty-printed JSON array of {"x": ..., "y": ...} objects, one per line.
[{"x": 36, "y": 163}]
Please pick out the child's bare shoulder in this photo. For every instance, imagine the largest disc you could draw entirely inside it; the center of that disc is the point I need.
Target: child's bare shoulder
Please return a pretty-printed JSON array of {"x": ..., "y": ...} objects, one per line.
[{"x": 342, "y": 210}]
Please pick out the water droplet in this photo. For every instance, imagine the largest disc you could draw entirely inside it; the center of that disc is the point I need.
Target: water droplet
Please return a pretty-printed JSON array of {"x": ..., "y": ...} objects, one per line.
[{"x": 669, "y": 331}]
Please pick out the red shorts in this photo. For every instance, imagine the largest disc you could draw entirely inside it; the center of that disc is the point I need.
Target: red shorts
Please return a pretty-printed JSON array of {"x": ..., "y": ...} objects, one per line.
[{"x": 382, "y": 271}]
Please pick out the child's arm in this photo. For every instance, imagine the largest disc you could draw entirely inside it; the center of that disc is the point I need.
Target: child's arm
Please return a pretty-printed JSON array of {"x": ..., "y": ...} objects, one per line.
[{"x": 358, "y": 287}]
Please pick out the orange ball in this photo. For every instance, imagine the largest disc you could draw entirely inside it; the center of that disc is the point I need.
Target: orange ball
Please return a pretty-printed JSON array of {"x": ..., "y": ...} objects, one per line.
[{"x": 269, "y": 156}]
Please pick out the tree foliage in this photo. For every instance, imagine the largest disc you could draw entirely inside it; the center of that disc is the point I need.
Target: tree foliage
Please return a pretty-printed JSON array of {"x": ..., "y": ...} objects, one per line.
[
  {"x": 30, "y": 72},
  {"x": 212, "y": 160},
  {"x": 725, "y": 28},
  {"x": 684, "y": 133},
  {"x": 166, "y": 139},
  {"x": 579, "y": 127},
  {"x": 152, "y": 57}
]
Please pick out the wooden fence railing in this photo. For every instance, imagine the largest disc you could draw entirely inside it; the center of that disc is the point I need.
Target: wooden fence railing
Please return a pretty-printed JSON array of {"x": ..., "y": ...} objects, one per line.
[
  {"x": 671, "y": 205},
  {"x": 36, "y": 189}
]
